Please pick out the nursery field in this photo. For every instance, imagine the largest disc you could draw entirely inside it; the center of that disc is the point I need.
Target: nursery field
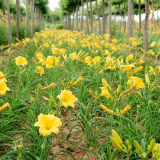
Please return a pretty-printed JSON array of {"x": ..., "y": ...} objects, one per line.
[{"x": 69, "y": 95}]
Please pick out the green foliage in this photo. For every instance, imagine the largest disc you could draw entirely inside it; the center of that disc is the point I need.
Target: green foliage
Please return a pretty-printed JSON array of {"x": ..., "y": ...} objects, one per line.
[
  {"x": 56, "y": 15},
  {"x": 59, "y": 26},
  {"x": 3, "y": 34},
  {"x": 41, "y": 5},
  {"x": 37, "y": 28},
  {"x": 23, "y": 31}
]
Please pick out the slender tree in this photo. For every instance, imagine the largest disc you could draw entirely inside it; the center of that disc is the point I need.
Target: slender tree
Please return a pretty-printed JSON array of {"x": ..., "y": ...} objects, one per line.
[
  {"x": 17, "y": 17},
  {"x": 87, "y": 19},
  {"x": 110, "y": 20},
  {"x": 32, "y": 17},
  {"x": 130, "y": 18},
  {"x": 77, "y": 17},
  {"x": 103, "y": 17},
  {"x": 98, "y": 17},
  {"x": 82, "y": 15},
  {"x": 91, "y": 17},
  {"x": 27, "y": 14},
  {"x": 146, "y": 26},
  {"x": 73, "y": 18},
  {"x": 140, "y": 21},
  {"x": 9, "y": 23}
]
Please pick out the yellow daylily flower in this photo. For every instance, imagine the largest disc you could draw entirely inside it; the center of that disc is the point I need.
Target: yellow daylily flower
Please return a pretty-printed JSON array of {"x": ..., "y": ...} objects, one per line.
[
  {"x": 48, "y": 124},
  {"x": 67, "y": 98},
  {"x": 3, "y": 88},
  {"x": 21, "y": 61}
]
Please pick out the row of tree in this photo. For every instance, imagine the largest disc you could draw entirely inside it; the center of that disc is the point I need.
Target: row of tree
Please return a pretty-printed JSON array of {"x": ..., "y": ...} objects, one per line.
[
  {"x": 29, "y": 11},
  {"x": 103, "y": 8}
]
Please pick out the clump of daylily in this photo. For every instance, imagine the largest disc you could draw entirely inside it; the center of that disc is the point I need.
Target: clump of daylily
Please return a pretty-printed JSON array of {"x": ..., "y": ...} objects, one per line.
[
  {"x": 156, "y": 48},
  {"x": 156, "y": 151},
  {"x": 108, "y": 92},
  {"x": 152, "y": 85},
  {"x": 119, "y": 144},
  {"x": 71, "y": 83},
  {"x": 142, "y": 151}
]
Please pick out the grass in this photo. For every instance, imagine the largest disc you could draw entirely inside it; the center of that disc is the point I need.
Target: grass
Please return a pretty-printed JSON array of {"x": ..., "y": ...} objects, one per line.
[{"x": 86, "y": 129}]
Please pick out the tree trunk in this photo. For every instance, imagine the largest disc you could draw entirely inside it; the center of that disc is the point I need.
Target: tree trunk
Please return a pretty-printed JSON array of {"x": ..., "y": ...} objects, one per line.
[
  {"x": 110, "y": 20},
  {"x": 82, "y": 15},
  {"x": 91, "y": 16},
  {"x": 157, "y": 12},
  {"x": 73, "y": 20},
  {"x": 32, "y": 17},
  {"x": 124, "y": 17},
  {"x": 146, "y": 23},
  {"x": 77, "y": 17},
  {"x": 69, "y": 18},
  {"x": 87, "y": 19},
  {"x": 152, "y": 10},
  {"x": 130, "y": 18},
  {"x": 140, "y": 21},
  {"x": 114, "y": 12},
  {"x": 27, "y": 14},
  {"x": 120, "y": 22},
  {"x": 98, "y": 17},
  {"x": 17, "y": 17},
  {"x": 103, "y": 17},
  {"x": 9, "y": 23}
]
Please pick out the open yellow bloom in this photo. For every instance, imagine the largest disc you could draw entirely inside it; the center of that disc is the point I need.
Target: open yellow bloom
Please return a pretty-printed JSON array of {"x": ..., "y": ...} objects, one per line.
[
  {"x": 127, "y": 68},
  {"x": 153, "y": 44},
  {"x": 39, "y": 55},
  {"x": 68, "y": 99},
  {"x": 3, "y": 88},
  {"x": 51, "y": 61},
  {"x": 2, "y": 77},
  {"x": 21, "y": 61},
  {"x": 96, "y": 59},
  {"x": 42, "y": 62},
  {"x": 40, "y": 70},
  {"x": 4, "y": 106},
  {"x": 138, "y": 81},
  {"x": 73, "y": 56},
  {"x": 105, "y": 92},
  {"x": 89, "y": 60},
  {"x": 129, "y": 57},
  {"x": 48, "y": 124}
]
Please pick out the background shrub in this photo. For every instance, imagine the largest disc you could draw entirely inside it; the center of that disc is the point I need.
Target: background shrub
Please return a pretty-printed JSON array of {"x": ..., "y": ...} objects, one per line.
[
  {"x": 23, "y": 31},
  {"x": 3, "y": 34},
  {"x": 59, "y": 26}
]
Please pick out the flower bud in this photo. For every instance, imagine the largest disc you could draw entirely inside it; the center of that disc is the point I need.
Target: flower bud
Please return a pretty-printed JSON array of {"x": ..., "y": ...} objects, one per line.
[
  {"x": 138, "y": 147},
  {"x": 151, "y": 146},
  {"x": 116, "y": 136},
  {"x": 119, "y": 90},
  {"x": 116, "y": 144}
]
